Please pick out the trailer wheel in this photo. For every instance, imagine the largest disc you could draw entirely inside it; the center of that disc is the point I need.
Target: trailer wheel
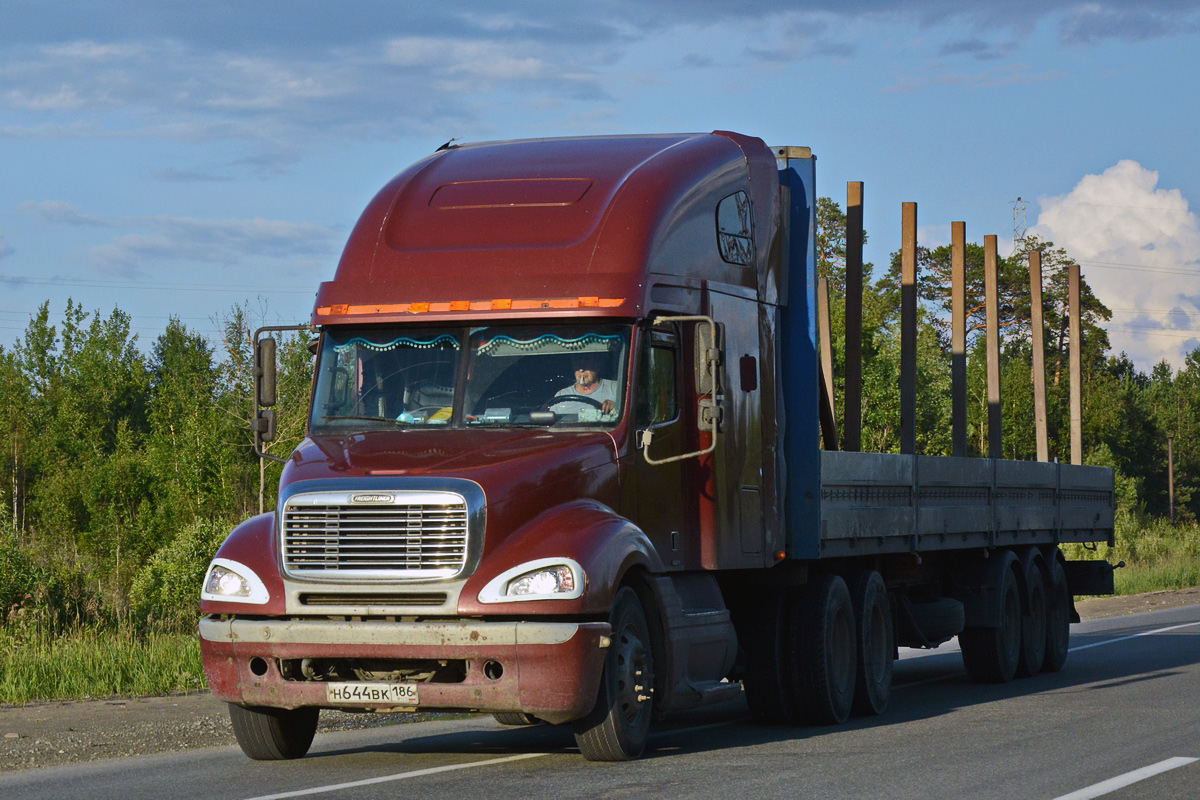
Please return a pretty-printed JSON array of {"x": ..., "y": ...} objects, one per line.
[
  {"x": 991, "y": 654},
  {"x": 873, "y": 623},
  {"x": 515, "y": 718},
  {"x": 1033, "y": 615},
  {"x": 1058, "y": 617},
  {"x": 272, "y": 734},
  {"x": 825, "y": 653},
  {"x": 769, "y": 670},
  {"x": 617, "y": 727}
]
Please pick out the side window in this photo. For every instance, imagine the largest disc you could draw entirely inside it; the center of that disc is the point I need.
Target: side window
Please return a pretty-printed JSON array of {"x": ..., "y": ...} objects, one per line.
[{"x": 658, "y": 398}]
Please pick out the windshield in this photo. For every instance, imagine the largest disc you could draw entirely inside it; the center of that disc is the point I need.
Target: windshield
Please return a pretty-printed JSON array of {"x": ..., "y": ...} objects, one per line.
[{"x": 513, "y": 375}]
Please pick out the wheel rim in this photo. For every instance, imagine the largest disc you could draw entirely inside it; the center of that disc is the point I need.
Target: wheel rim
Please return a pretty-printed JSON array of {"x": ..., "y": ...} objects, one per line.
[
  {"x": 1012, "y": 623},
  {"x": 633, "y": 676},
  {"x": 878, "y": 653},
  {"x": 842, "y": 650}
]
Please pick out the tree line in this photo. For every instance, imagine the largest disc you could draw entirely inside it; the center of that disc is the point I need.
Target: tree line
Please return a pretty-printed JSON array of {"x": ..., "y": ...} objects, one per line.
[{"x": 123, "y": 468}]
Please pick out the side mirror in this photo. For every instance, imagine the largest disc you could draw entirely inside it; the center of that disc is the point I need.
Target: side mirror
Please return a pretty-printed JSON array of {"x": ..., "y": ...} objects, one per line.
[
  {"x": 264, "y": 426},
  {"x": 264, "y": 371}
]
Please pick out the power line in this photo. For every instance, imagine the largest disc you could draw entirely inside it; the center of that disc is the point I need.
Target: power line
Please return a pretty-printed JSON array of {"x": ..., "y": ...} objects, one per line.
[
  {"x": 103, "y": 284},
  {"x": 1186, "y": 333},
  {"x": 1140, "y": 267}
]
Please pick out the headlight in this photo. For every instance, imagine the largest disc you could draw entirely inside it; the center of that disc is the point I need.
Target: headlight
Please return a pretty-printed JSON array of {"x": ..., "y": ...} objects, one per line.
[
  {"x": 227, "y": 583},
  {"x": 231, "y": 582},
  {"x": 544, "y": 579},
  {"x": 554, "y": 580}
]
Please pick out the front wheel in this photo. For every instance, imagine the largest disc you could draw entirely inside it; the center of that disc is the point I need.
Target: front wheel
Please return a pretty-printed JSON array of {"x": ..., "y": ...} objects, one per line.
[
  {"x": 272, "y": 734},
  {"x": 617, "y": 727}
]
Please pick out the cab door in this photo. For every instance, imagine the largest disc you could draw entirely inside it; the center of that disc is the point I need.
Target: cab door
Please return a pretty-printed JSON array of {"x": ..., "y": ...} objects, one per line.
[{"x": 663, "y": 504}]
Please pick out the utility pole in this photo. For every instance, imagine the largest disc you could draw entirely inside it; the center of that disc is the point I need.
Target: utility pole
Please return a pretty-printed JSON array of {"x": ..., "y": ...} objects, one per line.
[{"x": 1171, "y": 474}]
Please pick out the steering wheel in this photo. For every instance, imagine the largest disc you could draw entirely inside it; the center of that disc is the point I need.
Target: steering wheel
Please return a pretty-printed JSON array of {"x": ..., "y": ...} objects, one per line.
[{"x": 570, "y": 398}]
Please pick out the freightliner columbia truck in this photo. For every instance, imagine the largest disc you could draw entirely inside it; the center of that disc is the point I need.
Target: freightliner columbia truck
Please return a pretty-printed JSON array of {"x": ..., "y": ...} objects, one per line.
[{"x": 563, "y": 464}]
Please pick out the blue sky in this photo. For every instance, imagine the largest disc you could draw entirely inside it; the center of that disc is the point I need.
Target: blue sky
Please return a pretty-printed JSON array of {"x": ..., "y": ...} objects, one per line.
[{"x": 174, "y": 159}]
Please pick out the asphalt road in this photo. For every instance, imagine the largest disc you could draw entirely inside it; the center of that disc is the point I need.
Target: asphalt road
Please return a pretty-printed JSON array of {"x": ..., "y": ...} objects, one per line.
[{"x": 1119, "y": 722}]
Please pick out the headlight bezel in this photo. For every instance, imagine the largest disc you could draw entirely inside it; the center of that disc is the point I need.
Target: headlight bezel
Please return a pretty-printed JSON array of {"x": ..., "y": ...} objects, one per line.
[
  {"x": 497, "y": 589},
  {"x": 252, "y": 590}
]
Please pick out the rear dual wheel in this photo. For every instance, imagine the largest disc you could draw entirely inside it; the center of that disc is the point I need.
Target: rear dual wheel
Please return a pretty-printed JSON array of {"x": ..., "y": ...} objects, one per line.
[
  {"x": 803, "y": 652},
  {"x": 1034, "y": 614},
  {"x": 991, "y": 654},
  {"x": 1034, "y": 623},
  {"x": 826, "y": 652},
  {"x": 876, "y": 643},
  {"x": 1058, "y": 616}
]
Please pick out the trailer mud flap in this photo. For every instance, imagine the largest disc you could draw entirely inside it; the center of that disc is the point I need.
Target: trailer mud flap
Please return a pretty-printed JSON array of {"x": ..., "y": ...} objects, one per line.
[{"x": 1090, "y": 577}]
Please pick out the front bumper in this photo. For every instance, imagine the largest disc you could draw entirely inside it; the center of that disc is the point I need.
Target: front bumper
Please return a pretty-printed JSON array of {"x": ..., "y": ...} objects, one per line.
[{"x": 550, "y": 670}]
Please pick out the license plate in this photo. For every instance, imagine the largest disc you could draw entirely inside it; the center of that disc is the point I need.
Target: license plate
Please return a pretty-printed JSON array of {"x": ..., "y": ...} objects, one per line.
[{"x": 402, "y": 694}]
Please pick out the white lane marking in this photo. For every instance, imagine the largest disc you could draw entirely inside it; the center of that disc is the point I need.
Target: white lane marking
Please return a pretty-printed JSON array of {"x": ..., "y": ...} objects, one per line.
[
  {"x": 416, "y": 773},
  {"x": 451, "y": 767},
  {"x": 1121, "y": 781},
  {"x": 1133, "y": 636}
]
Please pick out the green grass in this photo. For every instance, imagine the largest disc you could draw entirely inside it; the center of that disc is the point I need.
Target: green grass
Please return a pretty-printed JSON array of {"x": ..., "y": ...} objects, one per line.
[
  {"x": 1157, "y": 554},
  {"x": 96, "y": 663}
]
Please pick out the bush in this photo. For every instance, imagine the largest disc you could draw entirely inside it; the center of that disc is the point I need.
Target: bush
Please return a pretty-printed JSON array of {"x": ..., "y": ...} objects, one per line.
[
  {"x": 166, "y": 590},
  {"x": 18, "y": 576}
]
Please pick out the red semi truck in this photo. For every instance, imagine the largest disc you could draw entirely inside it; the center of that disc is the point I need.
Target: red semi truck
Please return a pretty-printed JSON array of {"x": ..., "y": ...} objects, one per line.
[{"x": 563, "y": 464}]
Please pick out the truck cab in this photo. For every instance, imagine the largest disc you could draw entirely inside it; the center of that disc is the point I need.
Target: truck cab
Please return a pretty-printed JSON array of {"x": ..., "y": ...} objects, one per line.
[{"x": 511, "y": 496}]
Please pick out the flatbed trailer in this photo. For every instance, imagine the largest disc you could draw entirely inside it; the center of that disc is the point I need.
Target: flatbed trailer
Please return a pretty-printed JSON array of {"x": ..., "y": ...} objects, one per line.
[{"x": 875, "y": 503}]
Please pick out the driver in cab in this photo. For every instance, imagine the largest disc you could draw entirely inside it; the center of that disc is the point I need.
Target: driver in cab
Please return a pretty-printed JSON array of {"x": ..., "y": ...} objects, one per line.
[{"x": 590, "y": 396}]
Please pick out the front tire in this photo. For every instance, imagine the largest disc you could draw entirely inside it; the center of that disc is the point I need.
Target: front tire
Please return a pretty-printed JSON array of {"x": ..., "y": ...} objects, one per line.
[
  {"x": 273, "y": 734},
  {"x": 617, "y": 727}
]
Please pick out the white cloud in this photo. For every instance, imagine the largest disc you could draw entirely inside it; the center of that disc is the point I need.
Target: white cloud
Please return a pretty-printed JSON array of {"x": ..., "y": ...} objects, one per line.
[
  {"x": 149, "y": 242},
  {"x": 491, "y": 60},
  {"x": 56, "y": 211},
  {"x": 226, "y": 242},
  {"x": 1139, "y": 246}
]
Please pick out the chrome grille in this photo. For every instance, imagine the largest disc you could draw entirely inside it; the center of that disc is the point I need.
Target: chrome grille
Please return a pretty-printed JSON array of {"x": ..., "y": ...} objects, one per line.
[{"x": 385, "y": 535}]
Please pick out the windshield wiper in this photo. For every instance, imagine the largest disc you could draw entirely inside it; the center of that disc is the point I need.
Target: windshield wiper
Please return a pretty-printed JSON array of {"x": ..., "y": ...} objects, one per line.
[{"x": 396, "y": 422}]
